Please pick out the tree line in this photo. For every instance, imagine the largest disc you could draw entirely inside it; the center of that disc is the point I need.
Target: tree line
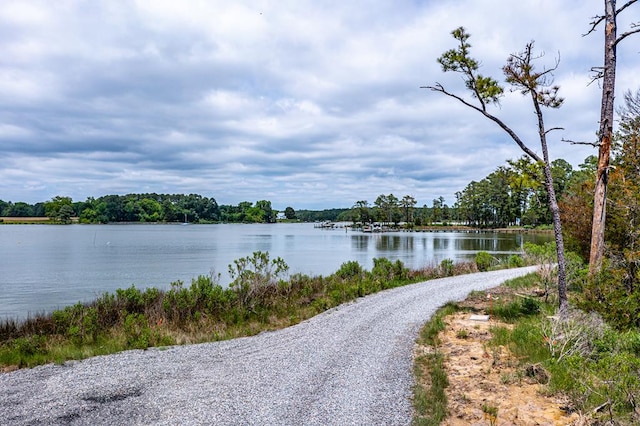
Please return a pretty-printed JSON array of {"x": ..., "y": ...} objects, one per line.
[{"x": 148, "y": 207}]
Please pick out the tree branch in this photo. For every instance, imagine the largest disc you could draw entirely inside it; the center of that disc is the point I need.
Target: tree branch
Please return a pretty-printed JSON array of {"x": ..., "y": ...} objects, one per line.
[
  {"x": 552, "y": 129},
  {"x": 594, "y": 144},
  {"x": 599, "y": 74},
  {"x": 439, "y": 88},
  {"x": 594, "y": 24},
  {"x": 627, "y": 34},
  {"x": 629, "y": 3}
]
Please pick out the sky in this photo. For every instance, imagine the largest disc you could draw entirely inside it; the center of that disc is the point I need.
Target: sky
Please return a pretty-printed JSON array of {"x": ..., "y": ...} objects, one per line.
[{"x": 309, "y": 104}]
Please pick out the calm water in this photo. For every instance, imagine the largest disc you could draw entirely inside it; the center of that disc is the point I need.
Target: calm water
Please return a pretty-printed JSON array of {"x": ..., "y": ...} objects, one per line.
[{"x": 46, "y": 267}]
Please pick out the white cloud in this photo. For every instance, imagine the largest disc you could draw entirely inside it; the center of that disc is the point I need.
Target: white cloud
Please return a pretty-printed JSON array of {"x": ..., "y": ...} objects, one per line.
[{"x": 313, "y": 103}]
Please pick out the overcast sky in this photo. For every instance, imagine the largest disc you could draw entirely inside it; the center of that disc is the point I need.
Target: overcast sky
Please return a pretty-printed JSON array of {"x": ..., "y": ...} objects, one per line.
[{"x": 309, "y": 104}]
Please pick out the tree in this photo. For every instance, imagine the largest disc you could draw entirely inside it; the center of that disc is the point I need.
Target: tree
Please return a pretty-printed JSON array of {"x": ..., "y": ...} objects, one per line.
[
  {"x": 362, "y": 212},
  {"x": 520, "y": 72},
  {"x": 388, "y": 208},
  {"x": 269, "y": 214},
  {"x": 624, "y": 186},
  {"x": 59, "y": 209},
  {"x": 289, "y": 213},
  {"x": 605, "y": 133},
  {"x": 19, "y": 209},
  {"x": 408, "y": 203}
]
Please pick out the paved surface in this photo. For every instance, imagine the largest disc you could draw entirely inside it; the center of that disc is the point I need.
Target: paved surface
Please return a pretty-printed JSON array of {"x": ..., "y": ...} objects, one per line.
[{"x": 351, "y": 365}]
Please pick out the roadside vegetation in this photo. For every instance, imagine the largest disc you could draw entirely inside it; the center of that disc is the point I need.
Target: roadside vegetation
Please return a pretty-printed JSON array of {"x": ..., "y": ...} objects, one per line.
[
  {"x": 590, "y": 360},
  {"x": 261, "y": 297}
]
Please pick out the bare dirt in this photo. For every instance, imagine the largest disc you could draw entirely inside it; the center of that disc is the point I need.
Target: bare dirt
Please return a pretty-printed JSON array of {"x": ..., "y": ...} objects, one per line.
[{"x": 483, "y": 378}]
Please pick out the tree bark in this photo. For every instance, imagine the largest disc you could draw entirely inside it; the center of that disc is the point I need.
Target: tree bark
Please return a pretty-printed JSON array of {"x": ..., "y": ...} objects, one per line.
[{"x": 604, "y": 136}]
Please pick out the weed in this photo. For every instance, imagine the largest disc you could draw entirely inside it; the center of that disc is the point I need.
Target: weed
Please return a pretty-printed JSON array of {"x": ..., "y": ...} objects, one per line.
[
  {"x": 490, "y": 413},
  {"x": 462, "y": 334},
  {"x": 446, "y": 266}
]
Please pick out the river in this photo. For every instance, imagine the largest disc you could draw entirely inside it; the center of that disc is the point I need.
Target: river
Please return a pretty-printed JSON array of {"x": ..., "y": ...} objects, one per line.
[{"x": 45, "y": 267}]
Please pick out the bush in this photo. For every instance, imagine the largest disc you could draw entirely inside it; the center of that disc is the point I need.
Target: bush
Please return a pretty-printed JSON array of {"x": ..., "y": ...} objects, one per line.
[
  {"x": 483, "y": 261},
  {"x": 253, "y": 276},
  {"x": 614, "y": 295},
  {"x": 137, "y": 331},
  {"x": 446, "y": 267},
  {"x": 515, "y": 261},
  {"x": 386, "y": 271},
  {"x": 349, "y": 270}
]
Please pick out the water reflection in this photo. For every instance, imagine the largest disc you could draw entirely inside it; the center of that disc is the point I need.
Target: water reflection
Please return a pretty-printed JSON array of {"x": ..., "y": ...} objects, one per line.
[{"x": 359, "y": 242}]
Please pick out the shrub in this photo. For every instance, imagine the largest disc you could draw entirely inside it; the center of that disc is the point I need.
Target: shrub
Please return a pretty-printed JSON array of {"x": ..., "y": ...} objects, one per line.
[
  {"x": 515, "y": 261},
  {"x": 483, "y": 261},
  {"x": 130, "y": 299},
  {"x": 615, "y": 295},
  {"x": 446, "y": 267},
  {"x": 529, "y": 306},
  {"x": 254, "y": 275},
  {"x": 137, "y": 331},
  {"x": 386, "y": 271},
  {"x": 349, "y": 270}
]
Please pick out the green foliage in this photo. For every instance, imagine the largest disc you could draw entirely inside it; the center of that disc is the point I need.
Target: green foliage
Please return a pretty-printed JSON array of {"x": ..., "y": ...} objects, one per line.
[
  {"x": 529, "y": 306},
  {"x": 386, "y": 271},
  {"x": 429, "y": 332},
  {"x": 254, "y": 275},
  {"x": 515, "y": 261},
  {"x": 350, "y": 270},
  {"x": 485, "y": 89},
  {"x": 137, "y": 331},
  {"x": 429, "y": 399},
  {"x": 430, "y": 402},
  {"x": 31, "y": 345},
  {"x": 203, "y": 311},
  {"x": 541, "y": 253},
  {"x": 510, "y": 311},
  {"x": 59, "y": 209},
  {"x": 484, "y": 261},
  {"x": 614, "y": 295},
  {"x": 447, "y": 266}
]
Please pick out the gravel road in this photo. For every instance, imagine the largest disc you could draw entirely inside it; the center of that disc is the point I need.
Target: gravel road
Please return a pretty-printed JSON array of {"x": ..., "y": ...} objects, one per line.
[{"x": 351, "y": 365}]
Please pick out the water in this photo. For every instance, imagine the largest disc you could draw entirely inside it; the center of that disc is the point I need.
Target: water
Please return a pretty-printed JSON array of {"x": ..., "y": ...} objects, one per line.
[{"x": 45, "y": 267}]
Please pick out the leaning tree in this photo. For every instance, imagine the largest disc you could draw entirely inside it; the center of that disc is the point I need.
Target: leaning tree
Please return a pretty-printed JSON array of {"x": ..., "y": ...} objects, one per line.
[{"x": 521, "y": 74}]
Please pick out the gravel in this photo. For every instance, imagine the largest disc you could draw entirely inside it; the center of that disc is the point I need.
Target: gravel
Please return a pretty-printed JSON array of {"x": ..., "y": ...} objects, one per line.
[{"x": 351, "y": 365}]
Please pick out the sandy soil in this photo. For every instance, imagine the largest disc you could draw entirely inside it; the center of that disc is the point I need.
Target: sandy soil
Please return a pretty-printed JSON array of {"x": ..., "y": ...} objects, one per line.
[{"x": 483, "y": 377}]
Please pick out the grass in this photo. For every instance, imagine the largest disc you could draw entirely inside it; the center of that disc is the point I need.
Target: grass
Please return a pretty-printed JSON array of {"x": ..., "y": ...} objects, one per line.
[
  {"x": 429, "y": 398},
  {"x": 594, "y": 366}
]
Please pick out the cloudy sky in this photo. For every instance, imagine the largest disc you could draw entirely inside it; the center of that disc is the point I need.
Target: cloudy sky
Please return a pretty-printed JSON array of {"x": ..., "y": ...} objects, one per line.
[{"x": 310, "y": 104}]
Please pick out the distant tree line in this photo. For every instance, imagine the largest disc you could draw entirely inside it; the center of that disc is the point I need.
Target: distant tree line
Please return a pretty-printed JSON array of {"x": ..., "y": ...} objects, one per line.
[
  {"x": 143, "y": 208},
  {"x": 513, "y": 194}
]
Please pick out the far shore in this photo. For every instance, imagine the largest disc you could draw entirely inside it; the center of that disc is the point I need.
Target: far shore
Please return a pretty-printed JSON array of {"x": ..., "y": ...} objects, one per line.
[{"x": 39, "y": 220}]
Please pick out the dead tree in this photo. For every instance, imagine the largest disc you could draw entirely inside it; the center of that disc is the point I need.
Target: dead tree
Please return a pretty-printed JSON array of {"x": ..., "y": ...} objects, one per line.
[{"x": 608, "y": 75}]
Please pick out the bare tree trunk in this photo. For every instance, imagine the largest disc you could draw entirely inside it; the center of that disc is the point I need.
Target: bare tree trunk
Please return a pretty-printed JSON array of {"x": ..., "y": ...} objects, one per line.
[
  {"x": 563, "y": 303},
  {"x": 604, "y": 136}
]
